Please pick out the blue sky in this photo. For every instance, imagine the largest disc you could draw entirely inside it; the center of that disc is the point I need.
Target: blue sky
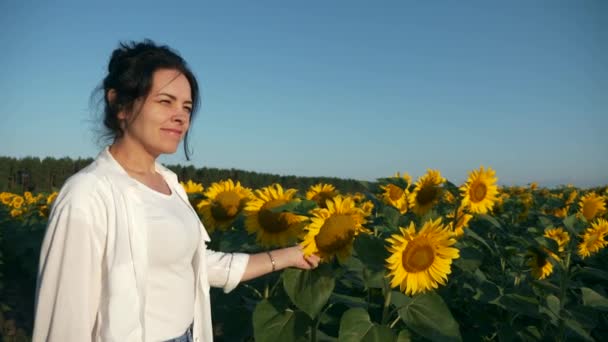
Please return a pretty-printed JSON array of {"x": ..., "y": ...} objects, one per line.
[{"x": 351, "y": 89}]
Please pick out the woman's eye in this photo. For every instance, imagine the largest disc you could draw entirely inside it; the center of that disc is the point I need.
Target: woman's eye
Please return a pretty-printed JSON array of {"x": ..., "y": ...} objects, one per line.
[{"x": 165, "y": 101}]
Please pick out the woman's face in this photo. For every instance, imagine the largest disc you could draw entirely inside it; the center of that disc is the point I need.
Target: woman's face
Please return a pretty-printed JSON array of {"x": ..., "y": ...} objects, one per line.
[{"x": 159, "y": 122}]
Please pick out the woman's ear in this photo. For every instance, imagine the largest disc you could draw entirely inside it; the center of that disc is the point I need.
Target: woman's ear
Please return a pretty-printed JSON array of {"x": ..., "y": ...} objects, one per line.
[{"x": 111, "y": 97}]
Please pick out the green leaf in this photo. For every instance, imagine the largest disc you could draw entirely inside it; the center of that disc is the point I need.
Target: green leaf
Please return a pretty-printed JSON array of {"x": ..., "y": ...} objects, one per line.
[
  {"x": 427, "y": 315},
  {"x": 404, "y": 336},
  {"x": 548, "y": 243},
  {"x": 270, "y": 324},
  {"x": 309, "y": 290},
  {"x": 471, "y": 233},
  {"x": 520, "y": 304},
  {"x": 490, "y": 219},
  {"x": 594, "y": 272},
  {"x": 594, "y": 299},
  {"x": 470, "y": 259},
  {"x": 570, "y": 223},
  {"x": 356, "y": 326},
  {"x": 578, "y": 329},
  {"x": 487, "y": 292},
  {"x": 553, "y": 309},
  {"x": 371, "y": 251},
  {"x": 391, "y": 215}
]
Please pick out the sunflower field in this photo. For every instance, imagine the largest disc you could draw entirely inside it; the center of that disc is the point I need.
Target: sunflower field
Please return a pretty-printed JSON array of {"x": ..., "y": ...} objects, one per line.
[{"x": 405, "y": 260}]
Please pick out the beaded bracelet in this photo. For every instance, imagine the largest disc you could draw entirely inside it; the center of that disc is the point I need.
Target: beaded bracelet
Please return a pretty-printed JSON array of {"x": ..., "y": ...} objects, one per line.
[{"x": 274, "y": 264}]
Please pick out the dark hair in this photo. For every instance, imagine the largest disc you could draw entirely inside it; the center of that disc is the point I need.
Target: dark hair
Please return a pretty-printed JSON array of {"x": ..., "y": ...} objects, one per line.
[{"x": 130, "y": 75}]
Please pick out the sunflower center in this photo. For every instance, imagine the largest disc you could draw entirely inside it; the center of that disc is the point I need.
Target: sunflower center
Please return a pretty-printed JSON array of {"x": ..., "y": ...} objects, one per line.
[
  {"x": 478, "y": 192},
  {"x": 395, "y": 192},
  {"x": 427, "y": 195},
  {"x": 337, "y": 232},
  {"x": 273, "y": 222},
  {"x": 226, "y": 205},
  {"x": 418, "y": 256}
]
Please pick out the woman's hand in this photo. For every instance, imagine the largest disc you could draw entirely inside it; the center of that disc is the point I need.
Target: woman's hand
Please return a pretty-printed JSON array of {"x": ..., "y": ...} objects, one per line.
[
  {"x": 298, "y": 260},
  {"x": 262, "y": 263}
]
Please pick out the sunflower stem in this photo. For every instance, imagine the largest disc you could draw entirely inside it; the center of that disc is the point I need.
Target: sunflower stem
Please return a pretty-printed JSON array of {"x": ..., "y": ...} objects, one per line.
[
  {"x": 266, "y": 291},
  {"x": 562, "y": 295},
  {"x": 387, "y": 303},
  {"x": 394, "y": 322},
  {"x": 258, "y": 293},
  {"x": 313, "y": 330}
]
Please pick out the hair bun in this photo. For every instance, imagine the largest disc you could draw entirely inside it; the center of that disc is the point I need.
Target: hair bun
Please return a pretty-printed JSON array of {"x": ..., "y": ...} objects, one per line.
[{"x": 126, "y": 52}]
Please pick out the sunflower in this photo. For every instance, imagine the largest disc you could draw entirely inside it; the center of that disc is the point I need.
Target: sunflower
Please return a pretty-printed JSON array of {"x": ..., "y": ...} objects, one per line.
[
  {"x": 463, "y": 222},
  {"x": 594, "y": 238},
  {"x": 191, "y": 187},
  {"x": 427, "y": 192},
  {"x": 559, "y": 235},
  {"x": 6, "y": 198},
  {"x": 273, "y": 228},
  {"x": 480, "y": 191},
  {"x": 224, "y": 202},
  {"x": 591, "y": 205},
  {"x": 367, "y": 207},
  {"x": 540, "y": 263},
  {"x": 17, "y": 202},
  {"x": 395, "y": 196},
  {"x": 448, "y": 197},
  {"x": 320, "y": 193},
  {"x": 571, "y": 197},
  {"x": 51, "y": 198},
  {"x": 420, "y": 261},
  {"x": 560, "y": 212},
  {"x": 332, "y": 230},
  {"x": 16, "y": 212},
  {"x": 533, "y": 186}
]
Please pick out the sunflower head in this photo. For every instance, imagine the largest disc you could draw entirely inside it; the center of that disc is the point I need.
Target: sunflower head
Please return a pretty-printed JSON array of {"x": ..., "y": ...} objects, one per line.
[
  {"x": 591, "y": 205},
  {"x": 560, "y": 212},
  {"x": 463, "y": 221},
  {"x": 17, "y": 202},
  {"x": 422, "y": 260},
  {"x": 427, "y": 192},
  {"x": 540, "y": 264},
  {"x": 395, "y": 196},
  {"x": 15, "y": 212},
  {"x": 6, "y": 198},
  {"x": 224, "y": 202},
  {"x": 272, "y": 226},
  {"x": 559, "y": 235},
  {"x": 51, "y": 198},
  {"x": 191, "y": 187},
  {"x": 480, "y": 191},
  {"x": 571, "y": 197},
  {"x": 593, "y": 238},
  {"x": 321, "y": 193},
  {"x": 332, "y": 230}
]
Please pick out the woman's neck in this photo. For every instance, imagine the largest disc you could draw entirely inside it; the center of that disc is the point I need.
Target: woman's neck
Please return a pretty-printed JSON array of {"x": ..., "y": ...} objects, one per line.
[{"x": 133, "y": 157}]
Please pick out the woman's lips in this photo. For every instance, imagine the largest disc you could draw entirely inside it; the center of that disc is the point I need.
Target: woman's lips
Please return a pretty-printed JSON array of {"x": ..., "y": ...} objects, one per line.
[{"x": 173, "y": 132}]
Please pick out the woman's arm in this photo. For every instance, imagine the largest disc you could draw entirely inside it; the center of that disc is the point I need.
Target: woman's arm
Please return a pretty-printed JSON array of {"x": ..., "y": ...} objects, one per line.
[
  {"x": 227, "y": 270},
  {"x": 69, "y": 274}
]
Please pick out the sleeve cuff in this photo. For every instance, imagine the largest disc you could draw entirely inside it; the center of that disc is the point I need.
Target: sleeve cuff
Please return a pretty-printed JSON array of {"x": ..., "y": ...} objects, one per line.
[{"x": 236, "y": 269}]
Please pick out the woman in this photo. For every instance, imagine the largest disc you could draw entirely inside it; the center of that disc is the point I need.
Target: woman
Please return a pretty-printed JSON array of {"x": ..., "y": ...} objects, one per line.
[{"x": 124, "y": 257}]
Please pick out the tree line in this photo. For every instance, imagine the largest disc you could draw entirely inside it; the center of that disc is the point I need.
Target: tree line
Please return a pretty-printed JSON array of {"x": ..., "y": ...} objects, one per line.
[{"x": 33, "y": 174}]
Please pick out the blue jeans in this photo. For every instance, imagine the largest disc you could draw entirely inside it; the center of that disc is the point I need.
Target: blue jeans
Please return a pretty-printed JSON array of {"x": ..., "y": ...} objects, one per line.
[{"x": 186, "y": 337}]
